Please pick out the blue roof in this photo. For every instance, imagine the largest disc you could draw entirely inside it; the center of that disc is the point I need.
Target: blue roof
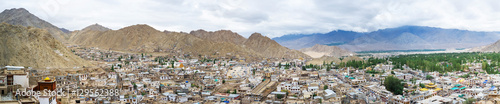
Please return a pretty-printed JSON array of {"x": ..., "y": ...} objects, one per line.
[{"x": 462, "y": 88}]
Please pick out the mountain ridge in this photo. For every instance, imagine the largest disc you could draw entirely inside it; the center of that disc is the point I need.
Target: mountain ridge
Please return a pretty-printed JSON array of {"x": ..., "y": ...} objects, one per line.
[
  {"x": 21, "y": 16},
  {"x": 219, "y": 36},
  {"x": 144, "y": 38},
  {"x": 424, "y": 37}
]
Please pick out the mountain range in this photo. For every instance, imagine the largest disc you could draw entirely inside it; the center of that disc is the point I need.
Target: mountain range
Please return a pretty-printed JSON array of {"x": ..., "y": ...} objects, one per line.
[
  {"x": 144, "y": 38},
  {"x": 299, "y": 41},
  {"x": 30, "y": 41},
  {"x": 399, "y": 38}
]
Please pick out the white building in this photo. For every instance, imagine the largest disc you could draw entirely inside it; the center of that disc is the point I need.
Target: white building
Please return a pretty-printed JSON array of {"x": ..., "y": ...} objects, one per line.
[
  {"x": 47, "y": 99},
  {"x": 312, "y": 88},
  {"x": 329, "y": 94},
  {"x": 21, "y": 79}
]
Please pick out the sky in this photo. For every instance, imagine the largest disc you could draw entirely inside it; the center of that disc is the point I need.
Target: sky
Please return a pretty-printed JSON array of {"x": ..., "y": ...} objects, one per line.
[{"x": 272, "y": 18}]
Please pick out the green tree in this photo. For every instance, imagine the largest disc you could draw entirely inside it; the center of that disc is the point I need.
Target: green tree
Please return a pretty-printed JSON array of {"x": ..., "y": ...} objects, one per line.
[
  {"x": 393, "y": 85},
  {"x": 279, "y": 96},
  {"x": 135, "y": 85},
  {"x": 470, "y": 101},
  {"x": 422, "y": 85},
  {"x": 172, "y": 64},
  {"x": 429, "y": 77},
  {"x": 287, "y": 66},
  {"x": 228, "y": 91},
  {"x": 234, "y": 92},
  {"x": 325, "y": 87},
  {"x": 223, "y": 81},
  {"x": 465, "y": 76},
  {"x": 253, "y": 71},
  {"x": 120, "y": 58},
  {"x": 303, "y": 68}
]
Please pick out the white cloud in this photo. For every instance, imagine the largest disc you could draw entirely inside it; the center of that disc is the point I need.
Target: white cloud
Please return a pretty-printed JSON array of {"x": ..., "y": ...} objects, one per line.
[{"x": 272, "y": 18}]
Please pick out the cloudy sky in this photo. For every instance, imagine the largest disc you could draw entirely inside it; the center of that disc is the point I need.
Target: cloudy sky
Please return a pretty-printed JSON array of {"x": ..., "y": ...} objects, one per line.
[{"x": 272, "y": 18}]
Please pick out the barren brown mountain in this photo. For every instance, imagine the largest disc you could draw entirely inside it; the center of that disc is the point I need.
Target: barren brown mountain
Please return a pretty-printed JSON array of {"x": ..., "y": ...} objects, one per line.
[
  {"x": 143, "y": 38},
  {"x": 34, "y": 47},
  {"x": 95, "y": 27},
  {"x": 323, "y": 50},
  {"x": 219, "y": 36},
  {"x": 87, "y": 32},
  {"x": 22, "y": 17},
  {"x": 270, "y": 48}
]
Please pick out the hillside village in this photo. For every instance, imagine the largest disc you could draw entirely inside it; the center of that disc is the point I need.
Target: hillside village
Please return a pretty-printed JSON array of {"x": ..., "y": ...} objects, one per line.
[{"x": 147, "y": 78}]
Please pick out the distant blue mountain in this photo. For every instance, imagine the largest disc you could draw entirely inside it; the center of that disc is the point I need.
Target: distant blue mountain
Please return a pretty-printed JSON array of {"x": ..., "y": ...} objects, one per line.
[
  {"x": 399, "y": 38},
  {"x": 299, "y": 41}
]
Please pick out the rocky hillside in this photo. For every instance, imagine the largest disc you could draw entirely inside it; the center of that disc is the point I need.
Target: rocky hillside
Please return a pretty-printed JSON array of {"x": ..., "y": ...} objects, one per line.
[
  {"x": 22, "y": 17},
  {"x": 34, "y": 47},
  {"x": 219, "y": 36},
  {"x": 79, "y": 36},
  {"x": 270, "y": 48},
  {"x": 323, "y": 50},
  {"x": 495, "y": 47}
]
